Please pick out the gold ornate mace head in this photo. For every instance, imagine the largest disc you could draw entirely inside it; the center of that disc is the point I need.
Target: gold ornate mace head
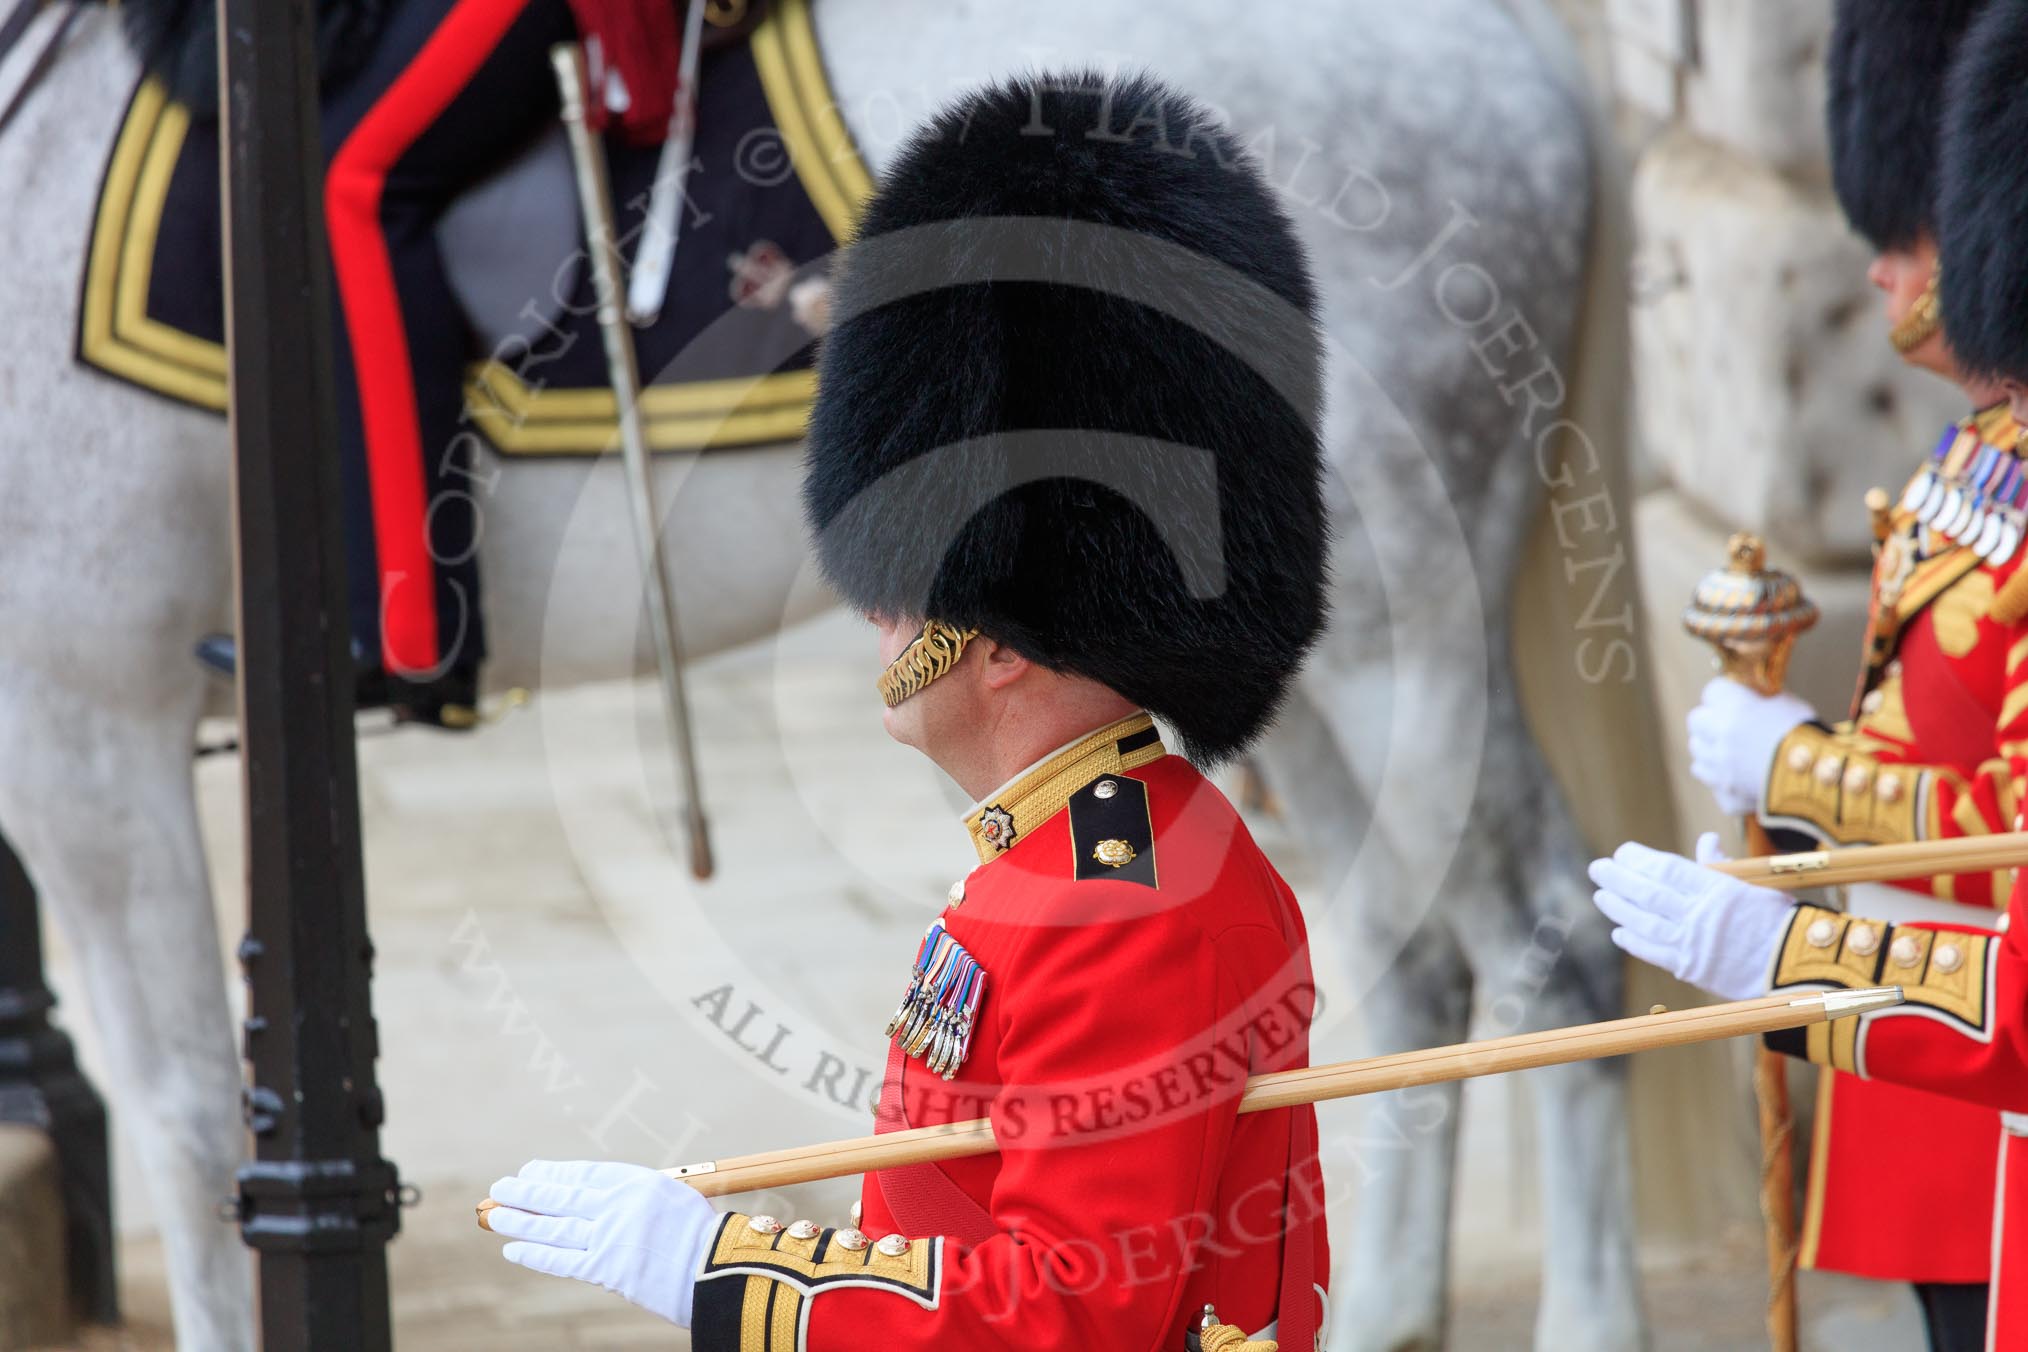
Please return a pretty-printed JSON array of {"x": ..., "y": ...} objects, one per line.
[{"x": 1751, "y": 614}]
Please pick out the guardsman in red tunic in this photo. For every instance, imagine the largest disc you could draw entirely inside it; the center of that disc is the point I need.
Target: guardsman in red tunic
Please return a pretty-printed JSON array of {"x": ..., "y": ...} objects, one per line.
[
  {"x": 1963, "y": 1031},
  {"x": 1071, "y": 495},
  {"x": 1937, "y": 741}
]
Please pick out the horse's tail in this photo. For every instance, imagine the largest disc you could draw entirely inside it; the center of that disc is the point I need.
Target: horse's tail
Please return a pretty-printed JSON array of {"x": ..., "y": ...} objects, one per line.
[{"x": 177, "y": 40}]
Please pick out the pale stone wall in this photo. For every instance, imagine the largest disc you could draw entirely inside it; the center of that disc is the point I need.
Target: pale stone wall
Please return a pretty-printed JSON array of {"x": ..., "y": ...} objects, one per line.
[{"x": 1766, "y": 395}]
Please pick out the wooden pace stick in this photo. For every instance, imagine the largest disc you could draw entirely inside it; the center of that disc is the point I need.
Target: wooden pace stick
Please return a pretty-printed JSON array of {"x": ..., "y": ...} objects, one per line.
[
  {"x": 1751, "y": 615},
  {"x": 1310, "y": 1084},
  {"x": 1882, "y": 863}
]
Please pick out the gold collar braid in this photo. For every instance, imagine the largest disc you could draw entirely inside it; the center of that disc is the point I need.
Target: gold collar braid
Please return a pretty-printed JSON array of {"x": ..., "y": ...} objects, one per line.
[
  {"x": 929, "y": 655},
  {"x": 1045, "y": 788}
]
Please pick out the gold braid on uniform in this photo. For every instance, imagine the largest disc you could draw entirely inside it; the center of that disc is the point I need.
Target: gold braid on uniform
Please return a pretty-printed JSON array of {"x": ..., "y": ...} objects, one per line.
[
  {"x": 2010, "y": 604},
  {"x": 1923, "y": 319},
  {"x": 1227, "y": 1338},
  {"x": 929, "y": 655}
]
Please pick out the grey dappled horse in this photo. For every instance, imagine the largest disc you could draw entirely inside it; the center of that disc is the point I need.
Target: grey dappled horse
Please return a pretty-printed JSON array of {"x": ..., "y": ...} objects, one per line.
[{"x": 1435, "y": 159}]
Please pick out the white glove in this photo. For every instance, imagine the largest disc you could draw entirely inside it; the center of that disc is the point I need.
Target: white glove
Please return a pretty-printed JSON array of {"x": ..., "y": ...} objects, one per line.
[
  {"x": 1698, "y": 925},
  {"x": 637, "y": 1233},
  {"x": 1733, "y": 735}
]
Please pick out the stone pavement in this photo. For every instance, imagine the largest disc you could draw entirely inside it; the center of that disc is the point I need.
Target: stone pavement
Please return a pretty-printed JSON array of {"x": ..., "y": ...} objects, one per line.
[{"x": 551, "y": 983}]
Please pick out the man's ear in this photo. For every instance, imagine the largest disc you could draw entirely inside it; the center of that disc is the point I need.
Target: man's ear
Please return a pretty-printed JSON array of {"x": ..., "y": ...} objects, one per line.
[
  {"x": 999, "y": 665},
  {"x": 2017, "y": 397}
]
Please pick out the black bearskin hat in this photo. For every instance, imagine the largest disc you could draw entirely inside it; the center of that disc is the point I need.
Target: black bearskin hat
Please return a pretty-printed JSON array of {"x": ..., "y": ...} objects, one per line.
[
  {"x": 1886, "y": 76},
  {"x": 1071, "y": 397},
  {"x": 1982, "y": 204}
]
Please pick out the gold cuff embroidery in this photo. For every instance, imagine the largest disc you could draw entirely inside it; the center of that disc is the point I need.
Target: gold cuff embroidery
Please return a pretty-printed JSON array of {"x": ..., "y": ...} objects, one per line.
[
  {"x": 1953, "y": 978},
  {"x": 1824, "y": 781},
  {"x": 1823, "y": 947},
  {"x": 1834, "y": 1044},
  {"x": 1942, "y": 970},
  {"x": 819, "y": 1261}
]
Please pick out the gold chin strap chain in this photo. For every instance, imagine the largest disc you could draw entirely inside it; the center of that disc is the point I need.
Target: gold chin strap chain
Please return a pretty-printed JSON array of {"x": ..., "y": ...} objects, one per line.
[
  {"x": 1923, "y": 319},
  {"x": 929, "y": 655}
]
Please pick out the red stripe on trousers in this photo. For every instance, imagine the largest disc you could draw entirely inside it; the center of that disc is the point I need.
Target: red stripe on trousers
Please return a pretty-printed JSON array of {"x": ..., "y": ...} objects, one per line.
[{"x": 371, "y": 303}]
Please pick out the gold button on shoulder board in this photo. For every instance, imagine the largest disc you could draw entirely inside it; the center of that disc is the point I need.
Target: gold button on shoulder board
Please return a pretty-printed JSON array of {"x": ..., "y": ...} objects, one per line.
[
  {"x": 1113, "y": 853},
  {"x": 1105, "y": 788}
]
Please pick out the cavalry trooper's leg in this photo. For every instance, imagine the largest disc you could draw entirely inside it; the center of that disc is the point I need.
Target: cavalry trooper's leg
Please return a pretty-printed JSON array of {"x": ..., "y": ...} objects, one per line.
[{"x": 454, "y": 88}]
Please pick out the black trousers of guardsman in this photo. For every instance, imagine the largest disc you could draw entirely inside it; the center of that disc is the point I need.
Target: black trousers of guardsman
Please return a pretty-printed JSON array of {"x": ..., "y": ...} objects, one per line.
[{"x": 454, "y": 88}]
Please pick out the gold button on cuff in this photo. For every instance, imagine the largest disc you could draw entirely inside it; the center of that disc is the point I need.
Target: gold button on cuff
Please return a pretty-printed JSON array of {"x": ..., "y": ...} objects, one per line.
[
  {"x": 1906, "y": 952},
  {"x": 1801, "y": 758},
  {"x": 764, "y": 1225},
  {"x": 857, "y": 1212},
  {"x": 1820, "y": 933},
  {"x": 1858, "y": 779},
  {"x": 1887, "y": 788},
  {"x": 1871, "y": 704},
  {"x": 803, "y": 1230},
  {"x": 1862, "y": 939},
  {"x": 1947, "y": 958},
  {"x": 1829, "y": 768},
  {"x": 894, "y": 1246},
  {"x": 850, "y": 1240}
]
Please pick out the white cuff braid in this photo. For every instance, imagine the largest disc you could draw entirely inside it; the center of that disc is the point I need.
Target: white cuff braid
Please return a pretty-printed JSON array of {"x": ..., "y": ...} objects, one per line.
[
  {"x": 1734, "y": 733},
  {"x": 1698, "y": 925}
]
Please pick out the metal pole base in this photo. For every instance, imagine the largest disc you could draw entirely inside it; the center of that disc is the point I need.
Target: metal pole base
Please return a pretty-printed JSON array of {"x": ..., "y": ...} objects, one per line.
[{"x": 41, "y": 1086}]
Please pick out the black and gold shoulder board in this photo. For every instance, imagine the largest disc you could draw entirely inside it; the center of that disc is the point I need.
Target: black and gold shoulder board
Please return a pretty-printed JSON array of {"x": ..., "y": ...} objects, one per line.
[{"x": 1111, "y": 834}]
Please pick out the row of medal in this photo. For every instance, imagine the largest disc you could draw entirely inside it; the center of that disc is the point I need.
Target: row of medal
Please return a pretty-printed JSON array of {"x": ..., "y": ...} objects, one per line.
[
  {"x": 1973, "y": 494},
  {"x": 934, "y": 1020}
]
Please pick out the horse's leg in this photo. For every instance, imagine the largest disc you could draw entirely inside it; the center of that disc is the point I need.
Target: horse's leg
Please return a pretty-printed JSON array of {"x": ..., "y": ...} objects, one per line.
[
  {"x": 1403, "y": 1160},
  {"x": 103, "y": 814},
  {"x": 1396, "y": 1155},
  {"x": 1543, "y": 959},
  {"x": 114, "y": 514}
]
